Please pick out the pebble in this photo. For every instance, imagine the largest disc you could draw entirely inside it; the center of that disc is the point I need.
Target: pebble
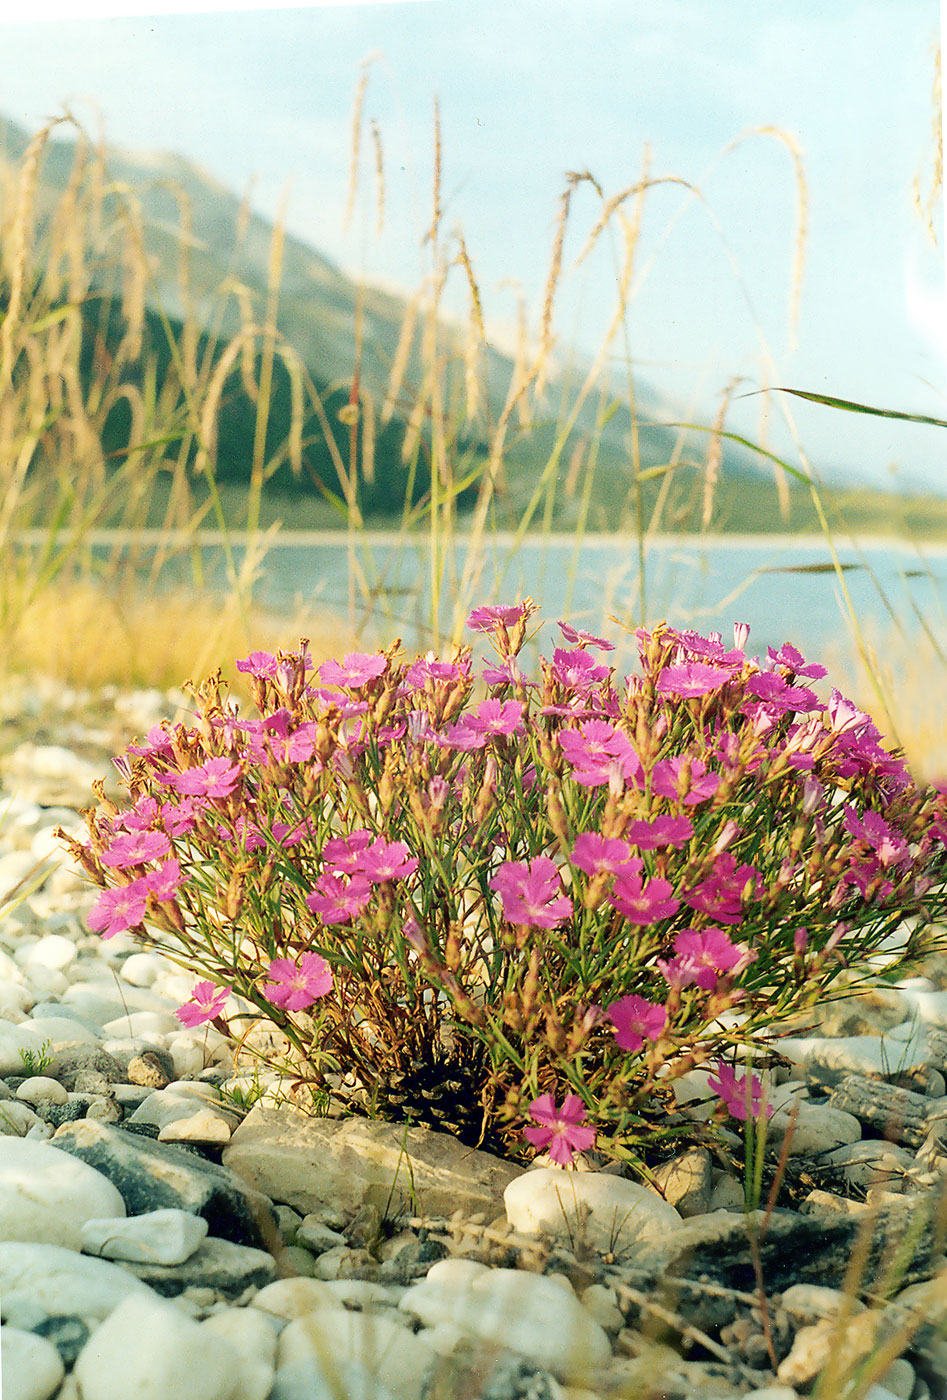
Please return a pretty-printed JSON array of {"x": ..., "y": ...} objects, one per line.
[
  {"x": 150, "y": 1349},
  {"x": 156, "y": 1239},
  {"x": 157, "y": 1236},
  {"x": 31, "y": 1366}
]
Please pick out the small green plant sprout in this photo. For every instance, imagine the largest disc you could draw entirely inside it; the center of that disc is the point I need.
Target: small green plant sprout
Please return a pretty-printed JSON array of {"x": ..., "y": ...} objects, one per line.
[{"x": 37, "y": 1064}]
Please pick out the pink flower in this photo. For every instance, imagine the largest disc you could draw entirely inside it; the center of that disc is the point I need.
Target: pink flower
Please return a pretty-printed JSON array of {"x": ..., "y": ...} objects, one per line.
[
  {"x": 136, "y": 848},
  {"x": 206, "y": 1002},
  {"x": 701, "y": 955},
  {"x": 560, "y": 1133},
  {"x": 636, "y": 1020},
  {"x": 531, "y": 893},
  {"x": 577, "y": 670},
  {"x": 215, "y": 778},
  {"x": 158, "y": 744},
  {"x": 584, "y": 638},
  {"x": 794, "y": 661},
  {"x": 141, "y": 817},
  {"x": 386, "y": 860},
  {"x": 294, "y": 986},
  {"x": 119, "y": 909},
  {"x": 356, "y": 670},
  {"x": 180, "y": 817},
  {"x": 428, "y": 668},
  {"x": 777, "y": 697},
  {"x": 505, "y": 673},
  {"x": 691, "y": 679},
  {"x": 846, "y": 717},
  {"x": 711, "y": 649},
  {"x": 165, "y": 881},
  {"x": 258, "y": 663},
  {"x": 889, "y": 847},
  {"x": 595, "y": 854},
  {"x": 660, "y": 831},
  {"x": 668, "y": 775},
  {"x": 496, "y": 717},
  {"x": 595, "y": 749},
  {"x": 734, "y": 1093},
  {"x": 720, "y": 895},
  {"x": 336, "y": 901},
  {"x": 345, "y": 852},
  {"x": 643, "y": 904},
  {"x": 486, "y": 619}
]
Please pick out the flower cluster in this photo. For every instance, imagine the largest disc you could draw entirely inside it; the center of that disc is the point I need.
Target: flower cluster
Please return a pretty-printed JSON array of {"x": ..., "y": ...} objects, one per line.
[{"x": 571, "y": 888}]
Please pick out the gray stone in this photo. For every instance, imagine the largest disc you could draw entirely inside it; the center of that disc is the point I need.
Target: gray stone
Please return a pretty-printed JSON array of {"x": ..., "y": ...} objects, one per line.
[
  {"x": 314, "y": 1162},
  {"x": 219, "y": 1264},
  {"x": 686, "y": 1182},
  {"x": 68, "y": 1335},
  {"x": 77, "y": 1060},
  {"x": 152, "y": 1175},
  {"x": 871, "y": 1162},
  {"x": 794, "y": 1248}
]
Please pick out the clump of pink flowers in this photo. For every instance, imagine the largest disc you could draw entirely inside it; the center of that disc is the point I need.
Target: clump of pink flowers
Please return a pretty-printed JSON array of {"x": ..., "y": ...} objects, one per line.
[{"x": 572, "y": 887}]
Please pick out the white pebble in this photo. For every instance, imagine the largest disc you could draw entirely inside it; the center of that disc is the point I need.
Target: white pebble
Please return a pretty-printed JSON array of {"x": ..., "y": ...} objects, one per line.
[
  {"x": 39, "y": 1088},
  {"x": 152, "y": 1350},
  {"x": 157, "y": 1237},
  {"x": 53, "y": 951},
  {"x": 30, "y": 1365},
  {"x": 46, "y": 1194}
]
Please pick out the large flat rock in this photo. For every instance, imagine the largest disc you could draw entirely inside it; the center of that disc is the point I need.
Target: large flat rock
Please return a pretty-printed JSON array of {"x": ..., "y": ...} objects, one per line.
[{"x": 311, "y": 1163}]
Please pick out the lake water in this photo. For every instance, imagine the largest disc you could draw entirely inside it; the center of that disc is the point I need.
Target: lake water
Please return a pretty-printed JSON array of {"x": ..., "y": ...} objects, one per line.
[{"x": 783, "y": 587}]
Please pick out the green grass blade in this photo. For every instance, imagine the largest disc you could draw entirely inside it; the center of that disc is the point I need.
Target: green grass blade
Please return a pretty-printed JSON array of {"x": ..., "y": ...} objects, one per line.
[{"x": 849, "y": 406}]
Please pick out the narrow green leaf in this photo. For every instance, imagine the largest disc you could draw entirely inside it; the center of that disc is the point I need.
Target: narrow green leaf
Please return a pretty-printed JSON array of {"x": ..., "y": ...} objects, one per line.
[{"x": 848, "y": 406}]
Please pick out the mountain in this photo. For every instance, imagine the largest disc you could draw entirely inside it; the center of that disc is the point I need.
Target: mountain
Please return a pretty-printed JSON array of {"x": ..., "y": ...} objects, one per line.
[{"x": 335, "y": 324}]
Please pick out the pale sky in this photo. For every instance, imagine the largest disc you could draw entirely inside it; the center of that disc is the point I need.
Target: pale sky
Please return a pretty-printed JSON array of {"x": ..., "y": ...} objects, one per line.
[{"x": 531, "y": 89}]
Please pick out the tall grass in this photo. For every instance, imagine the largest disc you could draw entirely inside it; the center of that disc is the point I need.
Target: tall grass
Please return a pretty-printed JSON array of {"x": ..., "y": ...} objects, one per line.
[{"x": 82, "y": 367}]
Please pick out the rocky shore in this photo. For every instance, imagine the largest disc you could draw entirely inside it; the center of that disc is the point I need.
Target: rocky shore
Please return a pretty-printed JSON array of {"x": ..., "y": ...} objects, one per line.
[{"x": 171, "y": 1228}]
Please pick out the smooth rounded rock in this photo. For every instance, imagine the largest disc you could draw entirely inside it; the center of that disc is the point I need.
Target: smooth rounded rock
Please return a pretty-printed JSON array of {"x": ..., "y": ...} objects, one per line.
[
  {"x": 30, "y": 1366},
  {"x": 157, "y": 1237},
  {"x": 53, "y": 950},
  {"x": 60, "y": 1029},
  {"x": 39, "y": 1088},
  {"x": 530, "y": 1314},
  {"x": 47, "y": 1195},
  {"x": 289, "y": 1298},
  {"x": 152, "y": 1350},
  {"x": 385, "y": 1348},
  {"x": 253, "y": 1337},
  {"x": 204, "y": 1126},
  {"x": 617, "y": 1213},
  {"x": 45, "y": 1280},
  {"x": 817, "y": 1128}
]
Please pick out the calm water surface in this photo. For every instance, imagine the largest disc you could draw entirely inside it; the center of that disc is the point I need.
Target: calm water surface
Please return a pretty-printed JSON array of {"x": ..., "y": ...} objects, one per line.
[{"x": 783, "y": 587}]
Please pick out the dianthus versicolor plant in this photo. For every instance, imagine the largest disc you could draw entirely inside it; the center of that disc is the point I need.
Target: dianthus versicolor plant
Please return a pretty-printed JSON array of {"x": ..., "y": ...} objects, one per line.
[{"x": 541, "y": 900}]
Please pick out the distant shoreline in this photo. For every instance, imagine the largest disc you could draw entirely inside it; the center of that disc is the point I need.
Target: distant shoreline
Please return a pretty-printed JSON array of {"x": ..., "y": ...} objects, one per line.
[{"x": 387, "y": 538}]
